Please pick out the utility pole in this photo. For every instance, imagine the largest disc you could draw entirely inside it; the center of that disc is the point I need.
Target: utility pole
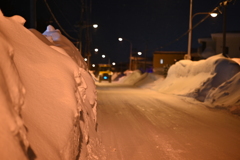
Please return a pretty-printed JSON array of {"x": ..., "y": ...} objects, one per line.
[
  {"x": 80, "y": 26},
  {"x": 224, "y": 48},
  {"x": 190, "y": 32},
  {"x": 88, "y": 31},
  {"x": 84, "y": 30},
  {"x": 33, "y": 21},
  {"x": 145, "y": 56}
]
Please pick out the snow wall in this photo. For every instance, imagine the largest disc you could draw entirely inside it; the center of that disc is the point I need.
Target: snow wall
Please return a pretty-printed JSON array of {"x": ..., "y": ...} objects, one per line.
[
  {"x": 196, "y": 78},
  {"x": 132, "y": 77},
  {"x": 214, "y": 81},
  {"x": 149, "y": 80},
  {"x": 48, "y": 98}
]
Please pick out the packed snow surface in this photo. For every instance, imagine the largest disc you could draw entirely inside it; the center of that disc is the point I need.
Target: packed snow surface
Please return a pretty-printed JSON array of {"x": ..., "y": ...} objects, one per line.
[{"x": 48, "y": 98}]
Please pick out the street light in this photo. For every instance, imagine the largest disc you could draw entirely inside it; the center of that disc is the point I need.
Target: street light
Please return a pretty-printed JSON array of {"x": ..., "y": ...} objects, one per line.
[
  {"x": 96, "y": 49},
  {"x": 95, "y": 26},
  {"x": 103, "y": 56},
  {"x": 212, "y": 14},
  {"x": 130, "y": 56},
  {"x": 139, "y": 53}
]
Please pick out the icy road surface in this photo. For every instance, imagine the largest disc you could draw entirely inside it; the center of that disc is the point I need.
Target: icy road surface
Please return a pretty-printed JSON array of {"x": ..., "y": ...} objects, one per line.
[{"x": 139, "y": 124}]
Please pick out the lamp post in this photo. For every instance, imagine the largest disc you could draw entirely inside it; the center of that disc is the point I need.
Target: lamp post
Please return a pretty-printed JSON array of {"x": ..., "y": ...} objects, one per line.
[
  {"x": 130, "y": 56},
  {"x": 33, "y": 21},
  {"x": 191, "y": 28},
  {"x": 190, "y": 31},
  {"x": 224, "y": 5}
]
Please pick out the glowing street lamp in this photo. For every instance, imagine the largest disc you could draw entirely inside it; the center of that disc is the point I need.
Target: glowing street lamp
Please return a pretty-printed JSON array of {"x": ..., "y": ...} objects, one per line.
[
  {"x": 103, "y": 56},
  {"x": 212, "y": 14},
  {"x": 113, "y": 63},
  {"x": 85, "y": 59},
  {"x": 93, "y": 65},
  {"x": 96, "y": 49},
  {"x": 139, "y": 53},
  {"x": 95, "y": 26}
]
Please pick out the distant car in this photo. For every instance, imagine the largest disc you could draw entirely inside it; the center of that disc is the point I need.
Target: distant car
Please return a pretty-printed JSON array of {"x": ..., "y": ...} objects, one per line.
[{"x": 105, "y": 73}]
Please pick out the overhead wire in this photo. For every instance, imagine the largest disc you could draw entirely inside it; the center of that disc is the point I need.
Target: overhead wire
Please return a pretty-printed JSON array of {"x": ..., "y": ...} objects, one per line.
[
  {"x": 64, "y": 16},
  {"x": 185, "y": 33},
  {"x": 55, "y": 19}
]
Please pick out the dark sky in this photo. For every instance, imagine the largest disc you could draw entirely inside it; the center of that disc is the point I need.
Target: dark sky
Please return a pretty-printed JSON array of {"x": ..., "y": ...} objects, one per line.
[{"x": 149, "y": 24}]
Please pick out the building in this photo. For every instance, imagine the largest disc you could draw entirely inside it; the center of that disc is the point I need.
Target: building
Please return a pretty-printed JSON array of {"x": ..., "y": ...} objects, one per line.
[
  {"x": 213, "y": 45},
  {"x": 162, "y": 60},
  {"x": 166, "y": 58}
]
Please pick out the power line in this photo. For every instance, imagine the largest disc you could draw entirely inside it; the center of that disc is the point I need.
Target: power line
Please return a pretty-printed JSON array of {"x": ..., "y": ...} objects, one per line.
[
  {"x": 55, "y": 19},
  {"x": 177, "y": 39},
  {"x": 64, "y": 16},
  {"x": 185, "y": 33}
]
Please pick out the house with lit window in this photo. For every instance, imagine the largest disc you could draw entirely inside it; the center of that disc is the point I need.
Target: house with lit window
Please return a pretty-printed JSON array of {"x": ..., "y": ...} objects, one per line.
[
  {"x": 208, "y": 47},
  {"x": 164, "y": 59}
]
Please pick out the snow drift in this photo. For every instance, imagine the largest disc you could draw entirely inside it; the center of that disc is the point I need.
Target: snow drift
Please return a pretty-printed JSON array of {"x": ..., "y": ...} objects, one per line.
[
  {"x": 150, "y": 80},
  {"x": 197, "y": 78},
  {"x": 12, "y": 131},
  {"x": 59, "y": 106},
  {"x": 214, "y": 81},
  {"x": 132, "y": 77},
  {"x": 226, "y": 95}
]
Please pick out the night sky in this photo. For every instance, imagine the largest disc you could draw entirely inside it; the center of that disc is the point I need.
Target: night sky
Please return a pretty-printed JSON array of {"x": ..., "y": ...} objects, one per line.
[{"x": 150, "y": 25}]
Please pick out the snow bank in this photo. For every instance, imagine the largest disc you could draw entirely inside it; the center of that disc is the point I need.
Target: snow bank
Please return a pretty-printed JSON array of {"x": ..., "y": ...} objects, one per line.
[
  {"x": 132, "y": 77},
  {"x": 150, "y": 80},
  {"x": 59, "y": 109},
  {"x": 55, "y": 36},
  {"x": 196, "y": 78},
  {"x": 12, "y": 132},
  {"x": 226, "y": 95},
  {"x": 116, "y": 75},
  {"x": 64, "y": 46}
]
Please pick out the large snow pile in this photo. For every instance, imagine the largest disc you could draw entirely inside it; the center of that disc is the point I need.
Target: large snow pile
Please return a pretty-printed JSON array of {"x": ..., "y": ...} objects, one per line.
[
  {"x": 226, "y": 95},
  {"x": 214, "y": 81},
  {"x": 150, "y": 80},
  {"x": 196, "y": 78},
  {"x": 14, "y": 144},
  {"x": 131, "y": 77},
  {"x": 116, "y": 76},
  {"x": 46, "y": 88}
]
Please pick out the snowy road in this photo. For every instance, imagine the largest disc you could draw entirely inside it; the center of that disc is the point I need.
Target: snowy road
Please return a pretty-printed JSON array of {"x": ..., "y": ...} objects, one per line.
[{"x": 139, "y": 124}]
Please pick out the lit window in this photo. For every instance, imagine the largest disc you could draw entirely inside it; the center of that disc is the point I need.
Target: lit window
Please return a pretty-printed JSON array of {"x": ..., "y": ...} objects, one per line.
[{"x": 161, "y": 61}]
